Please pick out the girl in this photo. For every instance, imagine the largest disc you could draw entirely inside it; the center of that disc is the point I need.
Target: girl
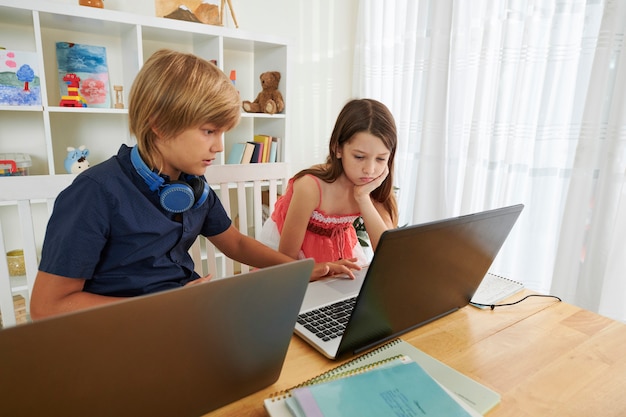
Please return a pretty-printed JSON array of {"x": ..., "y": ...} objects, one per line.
[{"x": 314, "y": 218}]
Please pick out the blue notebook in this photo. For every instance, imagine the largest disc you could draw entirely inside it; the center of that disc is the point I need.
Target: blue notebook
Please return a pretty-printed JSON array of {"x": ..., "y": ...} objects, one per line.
[
  {"x": 400, "y": 388},
  {"x": 475, "y": 398}
]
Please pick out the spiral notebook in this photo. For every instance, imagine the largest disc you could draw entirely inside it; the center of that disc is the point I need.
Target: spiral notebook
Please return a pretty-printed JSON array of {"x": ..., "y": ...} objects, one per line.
[
  {"x": 494, "y": 288},
  {"x": 476, "y": 398},
  {"x": 399, "y": 387}
]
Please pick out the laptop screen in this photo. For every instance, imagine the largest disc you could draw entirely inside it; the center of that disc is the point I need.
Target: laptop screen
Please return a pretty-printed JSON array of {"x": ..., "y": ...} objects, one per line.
[
  {"x": 423, "y": 272},
  {"x": 182, "y": 352}
]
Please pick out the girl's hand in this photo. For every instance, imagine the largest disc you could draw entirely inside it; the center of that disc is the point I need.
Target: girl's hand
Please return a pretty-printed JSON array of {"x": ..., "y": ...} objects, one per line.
[
  {"x": 199, "y": 280},
  {"x": 328, "y": 269},
  {"x": 366, "y": 189}
]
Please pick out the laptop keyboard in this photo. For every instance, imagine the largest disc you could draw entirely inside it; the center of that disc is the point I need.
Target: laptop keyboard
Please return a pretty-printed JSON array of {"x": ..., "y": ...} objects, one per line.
[{"x": 330, "y": 321}]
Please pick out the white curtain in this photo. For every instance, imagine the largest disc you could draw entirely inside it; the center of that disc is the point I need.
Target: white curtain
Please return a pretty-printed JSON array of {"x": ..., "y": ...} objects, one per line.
[{"x": 500, "y": 102}]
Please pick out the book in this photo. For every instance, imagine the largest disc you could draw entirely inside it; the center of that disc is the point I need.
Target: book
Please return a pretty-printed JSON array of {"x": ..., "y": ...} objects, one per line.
[
  {"x": 89, "y": 63},
  {"x": 494, "y": 288},
  {"x": 292, "y": 403},
  {"x": 236, "y": 153},
  {"x": 246, "y": 158},
  {"x": 274, "y": 149},
  {"x": 477, "y": 398},
  {"x": 266, "y": 140},
  {"x": 257, "y": 154},
  {"x": 385, "y": 390}
]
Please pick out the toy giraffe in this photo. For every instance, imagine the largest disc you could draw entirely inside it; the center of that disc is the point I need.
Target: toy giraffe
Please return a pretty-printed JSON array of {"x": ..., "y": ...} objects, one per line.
[{"x": 73, "y": 98}]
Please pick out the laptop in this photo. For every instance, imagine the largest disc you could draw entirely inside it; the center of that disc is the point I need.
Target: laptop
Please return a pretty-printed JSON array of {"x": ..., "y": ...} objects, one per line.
[
  {"x": 418, "y": 274},
  {"x": 178, "y": 353}
]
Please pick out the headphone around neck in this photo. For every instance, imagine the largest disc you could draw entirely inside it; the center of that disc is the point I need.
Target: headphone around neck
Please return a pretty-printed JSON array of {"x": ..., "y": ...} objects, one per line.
[{"x": 175, "y": 196}]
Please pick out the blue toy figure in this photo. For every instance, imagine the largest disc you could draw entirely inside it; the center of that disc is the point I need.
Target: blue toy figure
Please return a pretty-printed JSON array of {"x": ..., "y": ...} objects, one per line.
[{"x": 76, "y": 160}]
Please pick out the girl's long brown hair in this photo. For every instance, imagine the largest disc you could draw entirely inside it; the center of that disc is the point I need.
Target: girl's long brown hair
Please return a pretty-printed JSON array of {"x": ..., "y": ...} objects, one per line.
[{"x": 362, "y": 115}]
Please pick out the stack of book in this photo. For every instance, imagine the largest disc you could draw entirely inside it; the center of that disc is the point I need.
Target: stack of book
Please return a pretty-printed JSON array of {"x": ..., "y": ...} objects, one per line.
[
  {"x": 395, "y": 377},
  {"x": 263, "y": 148}
]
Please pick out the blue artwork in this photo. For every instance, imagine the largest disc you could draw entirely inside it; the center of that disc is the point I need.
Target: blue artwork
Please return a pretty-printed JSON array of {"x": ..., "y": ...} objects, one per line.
[
  {"x": 89, "y": 63},
  {"x": 19, "y": 82}
]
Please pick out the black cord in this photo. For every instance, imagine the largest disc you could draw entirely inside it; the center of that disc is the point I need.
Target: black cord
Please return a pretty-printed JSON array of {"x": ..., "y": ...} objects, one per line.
[{"x": 492, "y": 306}]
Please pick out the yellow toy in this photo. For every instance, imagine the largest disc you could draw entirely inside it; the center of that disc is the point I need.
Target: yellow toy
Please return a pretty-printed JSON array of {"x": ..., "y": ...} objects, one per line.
[{"x": 73, "y": 98}]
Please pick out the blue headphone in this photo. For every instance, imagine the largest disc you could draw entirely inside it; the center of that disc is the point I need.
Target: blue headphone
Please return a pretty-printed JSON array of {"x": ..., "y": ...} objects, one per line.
[{"x": 175, "y": 196}]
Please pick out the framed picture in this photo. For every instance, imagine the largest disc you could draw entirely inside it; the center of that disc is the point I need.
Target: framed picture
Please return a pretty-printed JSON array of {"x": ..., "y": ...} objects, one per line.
[
  {"x": 200, "y": 11},
  {"x": 89, "y": 63},
  {"x": 165, "y": 7},
  {"x": 19, "y": 79}
]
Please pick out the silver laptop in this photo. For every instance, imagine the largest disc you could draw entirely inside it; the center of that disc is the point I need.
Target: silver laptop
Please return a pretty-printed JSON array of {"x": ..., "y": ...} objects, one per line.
[
  {"x": 178, "y": 353},
  {"x": 418, "y": 274}
]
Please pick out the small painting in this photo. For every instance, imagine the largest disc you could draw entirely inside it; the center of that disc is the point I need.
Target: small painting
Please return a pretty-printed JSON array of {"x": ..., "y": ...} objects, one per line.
[
  {"x": 19, "y": 79},
  {"x": 89, "y": 63},
  {"x": 199, "y": 11},
  {"x": 165, "y": 7}
]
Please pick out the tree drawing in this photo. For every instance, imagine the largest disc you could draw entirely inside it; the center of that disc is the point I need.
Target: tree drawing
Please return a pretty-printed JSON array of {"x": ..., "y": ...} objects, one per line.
[{"x": 26, "y": 75}]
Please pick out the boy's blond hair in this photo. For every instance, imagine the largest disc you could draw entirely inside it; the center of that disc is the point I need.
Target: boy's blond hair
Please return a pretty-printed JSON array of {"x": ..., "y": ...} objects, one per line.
[{"x": 177, "y": 91}]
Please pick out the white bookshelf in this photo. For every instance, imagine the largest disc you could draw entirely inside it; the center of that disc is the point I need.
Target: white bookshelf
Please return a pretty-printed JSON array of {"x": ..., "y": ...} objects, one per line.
[{"x": 44, "y": 132}]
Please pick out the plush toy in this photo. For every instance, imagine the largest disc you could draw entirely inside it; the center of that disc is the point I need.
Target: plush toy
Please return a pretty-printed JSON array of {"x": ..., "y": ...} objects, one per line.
[
  {"x": 269, "y": 100},
  {"x": 76, "y": 160}
]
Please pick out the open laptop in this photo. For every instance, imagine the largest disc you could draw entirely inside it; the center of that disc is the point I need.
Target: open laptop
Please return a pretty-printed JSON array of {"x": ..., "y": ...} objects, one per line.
[
  {"x": 418, "y": 274},
  {"x": 178, "y": 353}
]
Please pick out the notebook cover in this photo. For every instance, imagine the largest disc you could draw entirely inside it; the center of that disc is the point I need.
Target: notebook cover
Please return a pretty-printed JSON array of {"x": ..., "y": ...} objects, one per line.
[{"x": 477, "y": 396}]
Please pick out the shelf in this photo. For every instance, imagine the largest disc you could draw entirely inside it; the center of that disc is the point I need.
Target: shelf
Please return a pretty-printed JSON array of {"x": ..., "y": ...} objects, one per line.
[
  {"x": 21, "y": 108},
  {"x": 129, "y": 39},
  {"x": 262, "y": 115},
  {"x": 18, "y": 284},
  {"x": 86, "y": 110},
  {"x": 47, "y": 130}
]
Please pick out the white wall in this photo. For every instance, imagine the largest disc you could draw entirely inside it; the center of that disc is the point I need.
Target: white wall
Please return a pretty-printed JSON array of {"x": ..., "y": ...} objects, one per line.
[
  {"x": 322, "y": 35},
  {"x": 322, "y": 32}
]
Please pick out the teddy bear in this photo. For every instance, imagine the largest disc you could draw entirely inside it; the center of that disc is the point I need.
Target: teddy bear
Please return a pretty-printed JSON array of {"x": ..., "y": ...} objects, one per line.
[{"x": 269, "y": 100}]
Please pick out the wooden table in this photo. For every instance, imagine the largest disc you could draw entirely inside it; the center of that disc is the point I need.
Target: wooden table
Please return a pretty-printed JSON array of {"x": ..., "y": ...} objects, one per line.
[{"x": 545, "y": 358}]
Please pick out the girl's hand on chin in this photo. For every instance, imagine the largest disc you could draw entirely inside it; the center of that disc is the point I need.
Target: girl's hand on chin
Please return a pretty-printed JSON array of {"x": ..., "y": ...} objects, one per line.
[{"x": 366, "y": 189}]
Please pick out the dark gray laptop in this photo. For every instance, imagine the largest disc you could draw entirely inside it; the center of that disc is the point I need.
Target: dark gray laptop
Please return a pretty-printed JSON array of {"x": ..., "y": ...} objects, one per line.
[
  {"x": 418, "y": 274},
  {"x": 178, "y": 353}
]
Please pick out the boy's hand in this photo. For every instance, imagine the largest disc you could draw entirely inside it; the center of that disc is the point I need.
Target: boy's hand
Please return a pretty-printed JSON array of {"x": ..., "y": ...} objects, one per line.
[{"x": 199, "y": 280}]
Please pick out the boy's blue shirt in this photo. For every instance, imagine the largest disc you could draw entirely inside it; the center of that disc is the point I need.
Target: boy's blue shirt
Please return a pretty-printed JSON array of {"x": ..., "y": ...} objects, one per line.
[{"x": 109, "y": 228}]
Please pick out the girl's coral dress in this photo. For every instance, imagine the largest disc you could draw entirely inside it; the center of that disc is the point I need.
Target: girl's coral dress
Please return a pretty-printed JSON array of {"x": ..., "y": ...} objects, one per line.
[{"x": 328, "y": 237}]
